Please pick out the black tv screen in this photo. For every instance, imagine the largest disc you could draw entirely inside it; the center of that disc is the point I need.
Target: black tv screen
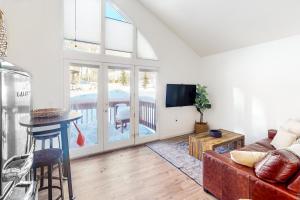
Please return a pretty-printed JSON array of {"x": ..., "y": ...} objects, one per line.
[{"x": 180, "y": 95}]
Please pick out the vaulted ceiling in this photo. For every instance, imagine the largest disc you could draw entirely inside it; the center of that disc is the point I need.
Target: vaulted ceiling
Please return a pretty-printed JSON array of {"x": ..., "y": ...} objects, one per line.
[{"x": 213, "y": 26}]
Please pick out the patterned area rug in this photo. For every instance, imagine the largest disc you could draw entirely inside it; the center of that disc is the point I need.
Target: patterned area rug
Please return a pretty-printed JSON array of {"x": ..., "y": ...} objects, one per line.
[{"x": 176, "y": 151}]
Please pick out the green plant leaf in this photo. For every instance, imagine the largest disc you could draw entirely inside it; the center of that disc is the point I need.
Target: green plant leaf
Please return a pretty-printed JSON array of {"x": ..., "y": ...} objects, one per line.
[{"x": 201, "y": 101}]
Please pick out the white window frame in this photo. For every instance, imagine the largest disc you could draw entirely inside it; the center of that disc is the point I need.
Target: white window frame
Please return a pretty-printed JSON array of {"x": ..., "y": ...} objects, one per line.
[
  {"x": 101, "y": 59},
  {"x": 123, "y": 143},
  {"x": 155, "y": 136},
  {"x": 88, "y": 150},
  {"x": 71, "y": 53}
]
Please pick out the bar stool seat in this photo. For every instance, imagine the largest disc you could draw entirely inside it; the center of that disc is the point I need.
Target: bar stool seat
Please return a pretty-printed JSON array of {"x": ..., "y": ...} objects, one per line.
[
  {"x": 48, "y": 158},
  {"x": 45, "y": 157}
]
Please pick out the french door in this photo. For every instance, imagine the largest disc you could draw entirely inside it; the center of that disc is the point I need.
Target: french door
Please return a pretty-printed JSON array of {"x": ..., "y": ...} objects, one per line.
[
  {"x": 146, "y": 112},
  {"x": 84, "y": 86},
  {"x": 118, "y": 104}
]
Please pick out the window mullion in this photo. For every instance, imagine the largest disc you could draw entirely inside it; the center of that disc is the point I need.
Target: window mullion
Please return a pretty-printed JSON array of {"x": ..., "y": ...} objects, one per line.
[
  {"x": 134, "y": 47},
  {"x": 102, "y": 15}
]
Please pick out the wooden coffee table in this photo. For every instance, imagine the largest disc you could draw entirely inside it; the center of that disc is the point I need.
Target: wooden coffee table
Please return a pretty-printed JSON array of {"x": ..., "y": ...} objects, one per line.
[{"x": 199, "y": 143}]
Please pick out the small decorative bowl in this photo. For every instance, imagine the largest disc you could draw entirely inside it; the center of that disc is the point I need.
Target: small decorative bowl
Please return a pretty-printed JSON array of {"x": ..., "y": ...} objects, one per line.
[
  {"x": 215, "y": 133},
  {"x": 47, "y": 112}
]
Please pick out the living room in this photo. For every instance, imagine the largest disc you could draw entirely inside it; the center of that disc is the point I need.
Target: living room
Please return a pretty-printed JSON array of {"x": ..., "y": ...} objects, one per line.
[{"x": 113, "y": 66}]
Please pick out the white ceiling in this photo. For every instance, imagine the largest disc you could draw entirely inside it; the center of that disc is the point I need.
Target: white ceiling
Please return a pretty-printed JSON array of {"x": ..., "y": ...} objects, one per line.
[{"x": 213, "y": 26}]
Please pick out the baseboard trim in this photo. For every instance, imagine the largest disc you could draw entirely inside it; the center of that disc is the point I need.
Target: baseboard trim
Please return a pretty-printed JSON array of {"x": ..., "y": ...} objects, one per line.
[{"x": 163, "y": 136}]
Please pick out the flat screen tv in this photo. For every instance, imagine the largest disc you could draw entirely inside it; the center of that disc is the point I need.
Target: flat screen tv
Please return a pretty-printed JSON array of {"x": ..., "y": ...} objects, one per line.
[{"x": 180, "y": 95}]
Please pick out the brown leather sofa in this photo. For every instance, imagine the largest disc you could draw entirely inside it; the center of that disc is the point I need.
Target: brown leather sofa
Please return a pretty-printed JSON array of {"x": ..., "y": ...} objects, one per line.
[{"x": 227, "y": 180}]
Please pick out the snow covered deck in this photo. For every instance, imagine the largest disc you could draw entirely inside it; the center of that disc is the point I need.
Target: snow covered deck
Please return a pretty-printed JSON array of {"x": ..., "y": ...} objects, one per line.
[{"x": 89, "y": 123}]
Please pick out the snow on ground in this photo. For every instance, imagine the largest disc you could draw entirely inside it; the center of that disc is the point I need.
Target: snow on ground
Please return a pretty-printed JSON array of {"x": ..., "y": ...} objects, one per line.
[
  {"x": 91, "y": 136},
  {"x": 115, "y": 93},
  {"x": 88, "y": 124}
]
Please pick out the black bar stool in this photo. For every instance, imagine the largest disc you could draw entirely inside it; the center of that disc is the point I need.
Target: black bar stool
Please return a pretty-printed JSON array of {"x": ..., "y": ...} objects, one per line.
[
  {"x": 44, "y": 136},
  {"x": 48, "y": 157}
]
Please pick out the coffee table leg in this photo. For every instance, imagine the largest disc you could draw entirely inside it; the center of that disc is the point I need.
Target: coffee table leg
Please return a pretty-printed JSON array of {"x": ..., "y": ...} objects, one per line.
[
  {"x": 243, "y": 142},
  {"x": 235, "y": 144},
  {"x": 66, "y": 158}
]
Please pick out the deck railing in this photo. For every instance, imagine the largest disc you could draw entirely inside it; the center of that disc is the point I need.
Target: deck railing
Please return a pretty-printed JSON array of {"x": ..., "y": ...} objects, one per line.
[
  {"x": 147, "y": 112},
  {"x": 88, "y": 111}
]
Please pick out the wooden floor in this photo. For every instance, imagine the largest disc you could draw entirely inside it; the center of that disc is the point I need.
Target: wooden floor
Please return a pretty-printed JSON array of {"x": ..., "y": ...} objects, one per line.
[{"x": 135, "y": 173}]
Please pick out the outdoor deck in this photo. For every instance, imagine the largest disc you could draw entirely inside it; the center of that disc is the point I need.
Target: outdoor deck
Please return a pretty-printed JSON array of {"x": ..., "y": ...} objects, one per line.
[{"x": 88, "y": 123}]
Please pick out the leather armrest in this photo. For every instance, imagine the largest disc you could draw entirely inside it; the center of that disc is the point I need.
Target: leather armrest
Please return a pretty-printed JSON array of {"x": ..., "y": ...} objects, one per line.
[
  {"x": 226, "y": 160},
  {"x": 272, "y": 133},
  {"x": 224, "y": 178}
]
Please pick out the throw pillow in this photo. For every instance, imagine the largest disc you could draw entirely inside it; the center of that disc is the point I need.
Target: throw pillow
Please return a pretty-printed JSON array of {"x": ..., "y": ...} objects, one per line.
[
  {"x": 292, "y": 126},
  {"x": 297, "y": 141},
  {"x": 283, "y": 139},
  {"x": 247, "y": 158},
  {"x": 295, "y": 148},
  {"x": 278, "y": 166}
]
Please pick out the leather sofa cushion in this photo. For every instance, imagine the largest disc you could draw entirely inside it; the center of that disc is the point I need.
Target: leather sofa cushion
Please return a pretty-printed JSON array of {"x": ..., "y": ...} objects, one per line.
[
  {"x": 295, "y": 184},
  {"x": 266, "y": 143},
  {"x": 277, "y": 166},
  {"x": 255, "y": 147}
]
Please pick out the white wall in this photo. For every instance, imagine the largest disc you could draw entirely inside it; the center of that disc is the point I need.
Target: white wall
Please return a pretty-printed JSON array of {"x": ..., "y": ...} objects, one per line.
[
  {"x": 255, "y": 88},
  {"x": 251, "y": 89},
  {"x": 35, "y": 31},
  {"x": 179, "y": 64},
  {"x": 34, "y": 43}
]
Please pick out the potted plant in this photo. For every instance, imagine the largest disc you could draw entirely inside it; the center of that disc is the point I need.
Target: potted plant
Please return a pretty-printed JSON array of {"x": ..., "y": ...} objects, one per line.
[{"x": 202, "y": 103}]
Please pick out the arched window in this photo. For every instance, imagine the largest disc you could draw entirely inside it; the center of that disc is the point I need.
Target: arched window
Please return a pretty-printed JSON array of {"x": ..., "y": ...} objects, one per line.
[
  {"x": 82, "y": 30},
  {"x": 144, "y": 49},
  {"x": 118, "y": 32}
]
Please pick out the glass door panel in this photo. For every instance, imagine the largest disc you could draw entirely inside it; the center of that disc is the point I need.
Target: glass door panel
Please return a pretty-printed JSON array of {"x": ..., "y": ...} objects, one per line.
[
  {"x": 147, "y": 116},
  {"x": 126, "y": 122},
  {"x": 84, "y": 99},
  {"x": 118, "y": 105}
]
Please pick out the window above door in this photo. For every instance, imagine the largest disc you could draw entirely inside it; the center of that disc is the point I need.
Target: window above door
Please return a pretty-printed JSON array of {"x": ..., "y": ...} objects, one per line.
[
  {"x": 82, "y": 25},
  {"x": 100, "y": 27}
]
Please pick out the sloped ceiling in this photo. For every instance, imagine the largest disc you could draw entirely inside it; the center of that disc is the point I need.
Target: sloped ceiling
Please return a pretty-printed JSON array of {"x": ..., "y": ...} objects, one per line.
[{"x": 214, "y": 26}]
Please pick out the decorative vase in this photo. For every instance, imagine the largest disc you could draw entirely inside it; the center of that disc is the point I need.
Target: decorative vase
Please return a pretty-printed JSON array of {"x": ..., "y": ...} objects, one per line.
[
  {"x": 201, "y": 127},
  {"x": 3, "y": 36}
]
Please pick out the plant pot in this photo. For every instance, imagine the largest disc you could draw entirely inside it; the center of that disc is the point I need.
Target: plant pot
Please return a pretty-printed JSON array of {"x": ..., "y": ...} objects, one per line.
[{"x": 201, "y": 127}]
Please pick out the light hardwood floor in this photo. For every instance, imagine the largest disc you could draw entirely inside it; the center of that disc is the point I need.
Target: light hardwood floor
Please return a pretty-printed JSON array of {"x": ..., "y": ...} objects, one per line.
[{"x": 135, "y": 173}]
